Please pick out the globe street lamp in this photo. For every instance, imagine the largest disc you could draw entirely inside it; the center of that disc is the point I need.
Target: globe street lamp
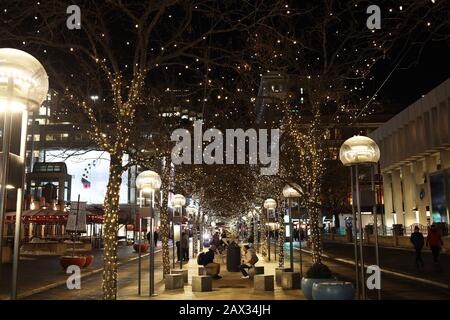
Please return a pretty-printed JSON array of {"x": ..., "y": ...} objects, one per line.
[
  {"x": 289, "y": 192},
  {"x": 355, "y": 151},
  {"x": 146, "y": 183},
  {"x": 178, "y": 202},
  {"x": 269, "y": 205},
  {"x": 23, "y": 88}
]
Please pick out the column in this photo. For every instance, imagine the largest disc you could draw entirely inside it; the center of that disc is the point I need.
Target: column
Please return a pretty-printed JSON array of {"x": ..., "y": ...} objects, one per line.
[
  {"x": 397, "y": 196},
  {"x": 387, "y": 197},
  {"x": 408, "y": 195},
  {"x": 421, "y": 204},
  {"x": 430, "y": 167}
]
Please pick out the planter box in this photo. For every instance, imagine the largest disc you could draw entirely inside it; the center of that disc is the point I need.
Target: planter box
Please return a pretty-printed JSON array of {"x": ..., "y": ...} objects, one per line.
[{"x": 307, "y": 285}]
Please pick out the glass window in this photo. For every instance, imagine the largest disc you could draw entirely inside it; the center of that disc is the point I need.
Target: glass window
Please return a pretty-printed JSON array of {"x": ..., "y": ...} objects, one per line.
[{"x": 438, "y": 198}]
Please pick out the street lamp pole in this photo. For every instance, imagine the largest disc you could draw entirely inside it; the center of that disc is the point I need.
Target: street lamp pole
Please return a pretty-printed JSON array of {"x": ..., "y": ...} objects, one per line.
[
  {"x": 354, "y": 151},
  {"x": 375, "y": 222},
  {"x": 23, "y": 87},
  {"x": 355, "y": 239},
  {"x": 147, "y": 182}
]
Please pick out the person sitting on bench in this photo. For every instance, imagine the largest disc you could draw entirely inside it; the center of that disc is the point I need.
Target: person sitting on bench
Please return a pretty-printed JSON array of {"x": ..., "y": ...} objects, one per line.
[
  {"x": 206, "y": 259},
  {"x": 250, "y": 259}
]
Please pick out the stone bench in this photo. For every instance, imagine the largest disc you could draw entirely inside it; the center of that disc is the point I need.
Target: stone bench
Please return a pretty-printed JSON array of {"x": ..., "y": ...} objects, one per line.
[
  {"x": 202, "y": 271},
  {"x": 174, "y": 281},
  {"x": 291, "y": 280},
  {"x": 278, "y": 274},
  {"x": 201, "y": 283},
  {"x": 183, "y": 272},
  {"x": 255, "y": 270},
  {"x": 263, "y": 282}
]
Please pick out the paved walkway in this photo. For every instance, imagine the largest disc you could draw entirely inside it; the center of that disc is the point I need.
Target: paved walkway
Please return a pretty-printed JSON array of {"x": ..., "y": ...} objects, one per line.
[
  {"x": 38, "y": 272},
  {"x": 230, "y": 287}
]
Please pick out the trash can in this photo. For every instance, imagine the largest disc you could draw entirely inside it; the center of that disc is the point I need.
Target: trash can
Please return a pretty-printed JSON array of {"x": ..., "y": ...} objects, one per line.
[{"x": 233, "y": 257}]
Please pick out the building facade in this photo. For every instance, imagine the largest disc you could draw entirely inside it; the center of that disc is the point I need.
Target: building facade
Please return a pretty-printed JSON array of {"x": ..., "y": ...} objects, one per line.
[{"x": 415, "y": 160}]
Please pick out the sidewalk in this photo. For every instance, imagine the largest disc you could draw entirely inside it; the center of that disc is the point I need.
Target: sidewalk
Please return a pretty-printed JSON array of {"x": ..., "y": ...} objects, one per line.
[
  {"x": 38, "y": 272},
  {"x": 230, "y": 287}
]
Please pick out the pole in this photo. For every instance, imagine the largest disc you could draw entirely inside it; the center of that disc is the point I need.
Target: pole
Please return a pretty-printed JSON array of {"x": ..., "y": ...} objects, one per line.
[
  {"x": 300, "y": 242},
  {"x": 173, "y": 238},
  {"x": 275, "y": 220},
  {"x": 355, "y": 238},
  {"x": 361, "y": 254},
  {"x": 151, "y": 246},
  {"x": 375, "y": 222},
  {"x": 291, "y": 232},
  {"x": 139, "y": 246},
  {"x": 16, "y": 244},
  {"x": 4, "y": 176},
  {"x": 268, "y": 233},
  {"x": 181, "y": 242}
]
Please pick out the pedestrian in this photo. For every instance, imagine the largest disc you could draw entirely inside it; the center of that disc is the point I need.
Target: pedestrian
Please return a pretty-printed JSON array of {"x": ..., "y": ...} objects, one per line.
[
  {"x": 185, "y": 246},
  {"x": 249, "y": 261},
  {"x": 418, "y": 241},
  {"x": 435, "y": 243},
  {"x": 155, "y": 237}
]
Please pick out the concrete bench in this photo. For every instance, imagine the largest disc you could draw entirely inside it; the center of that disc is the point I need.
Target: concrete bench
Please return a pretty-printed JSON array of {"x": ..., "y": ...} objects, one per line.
[
  {"x": 291, "y": 280},
  {"x": 255, "y": 270},
  {"x": 278, "y": 274},
  {"x": 174, "y": 281},
  {"x": 183, "y": 272},
  {"x": 202, "y": 271},
  {"x": 201, "y": 283},
  {"x": 263, "y": 282}
]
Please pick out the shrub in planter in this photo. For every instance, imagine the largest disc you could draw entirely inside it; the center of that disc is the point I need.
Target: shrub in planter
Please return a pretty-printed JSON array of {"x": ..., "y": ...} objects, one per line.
[{"x": 317, "y": 273}]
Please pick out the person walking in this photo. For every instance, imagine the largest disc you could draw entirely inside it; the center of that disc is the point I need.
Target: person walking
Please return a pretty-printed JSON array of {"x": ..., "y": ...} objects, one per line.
[
  {"x": 435, "y": 243},
  {"x": 155, "y": 238},
  {"x": 418, "y": 242},
  {"x": 185, "y": 246},
  {"x": 249, "y": 261}
]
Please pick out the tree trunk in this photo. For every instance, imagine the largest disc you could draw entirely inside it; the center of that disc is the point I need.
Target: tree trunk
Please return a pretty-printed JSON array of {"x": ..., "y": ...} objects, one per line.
[
  {"x": 165, "y": 221},
  {"x": 281, "y": 233},
  {"x": 194, "y": 237},
  {"x": 316, "y": 232},
  {"x": 264, "y": 248},
  {"x": 110, "y": 227}
]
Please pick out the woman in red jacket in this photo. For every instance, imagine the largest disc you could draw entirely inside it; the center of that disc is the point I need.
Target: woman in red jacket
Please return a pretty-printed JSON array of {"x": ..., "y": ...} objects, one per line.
[{"x": 434, "y": 242}]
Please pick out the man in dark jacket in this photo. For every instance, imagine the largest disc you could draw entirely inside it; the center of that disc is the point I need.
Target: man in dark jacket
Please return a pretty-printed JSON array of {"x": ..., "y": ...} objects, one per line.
[
  {"x": 209, "y": 263},
  {"x": 418, "y": 241}
]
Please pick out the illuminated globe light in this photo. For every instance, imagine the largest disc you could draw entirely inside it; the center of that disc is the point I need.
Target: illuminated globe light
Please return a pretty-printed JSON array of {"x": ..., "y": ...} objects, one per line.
[
  {"x": 148, "y": 181},
  {"x": 270, "y": 204},
  {"x": 23, "y": 81},
  {"x": 359, "y": 149},
  {"x": 290, "y": 192},
  {"x": 178, "y": 201}
]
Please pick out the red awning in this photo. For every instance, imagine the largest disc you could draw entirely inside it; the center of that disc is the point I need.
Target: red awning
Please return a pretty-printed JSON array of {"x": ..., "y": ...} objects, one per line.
[{"x": 49, "y": 216}]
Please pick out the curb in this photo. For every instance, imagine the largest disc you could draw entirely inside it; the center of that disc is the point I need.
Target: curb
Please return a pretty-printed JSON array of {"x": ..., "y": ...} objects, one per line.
[
  {"x": 62, "y": 282},
  {"x": 394, "y": 273}
]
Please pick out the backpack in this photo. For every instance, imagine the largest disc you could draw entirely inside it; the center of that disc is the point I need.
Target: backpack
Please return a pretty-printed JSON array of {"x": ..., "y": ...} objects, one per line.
[{"x": 201, "y": 259}]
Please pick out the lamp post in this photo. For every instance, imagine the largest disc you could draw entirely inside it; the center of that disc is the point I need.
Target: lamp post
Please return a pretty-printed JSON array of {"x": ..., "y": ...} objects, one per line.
[
  {"x": 147, "y": 182},
  {"x": 178, "y": 202},
  {"x": 192, "y": 211},
  {"x": 269, "y": 205},
  {"x": 289, "y": 193},
  {"x": 23, "y": 87},
  {"x": 355, "y": 151}
]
